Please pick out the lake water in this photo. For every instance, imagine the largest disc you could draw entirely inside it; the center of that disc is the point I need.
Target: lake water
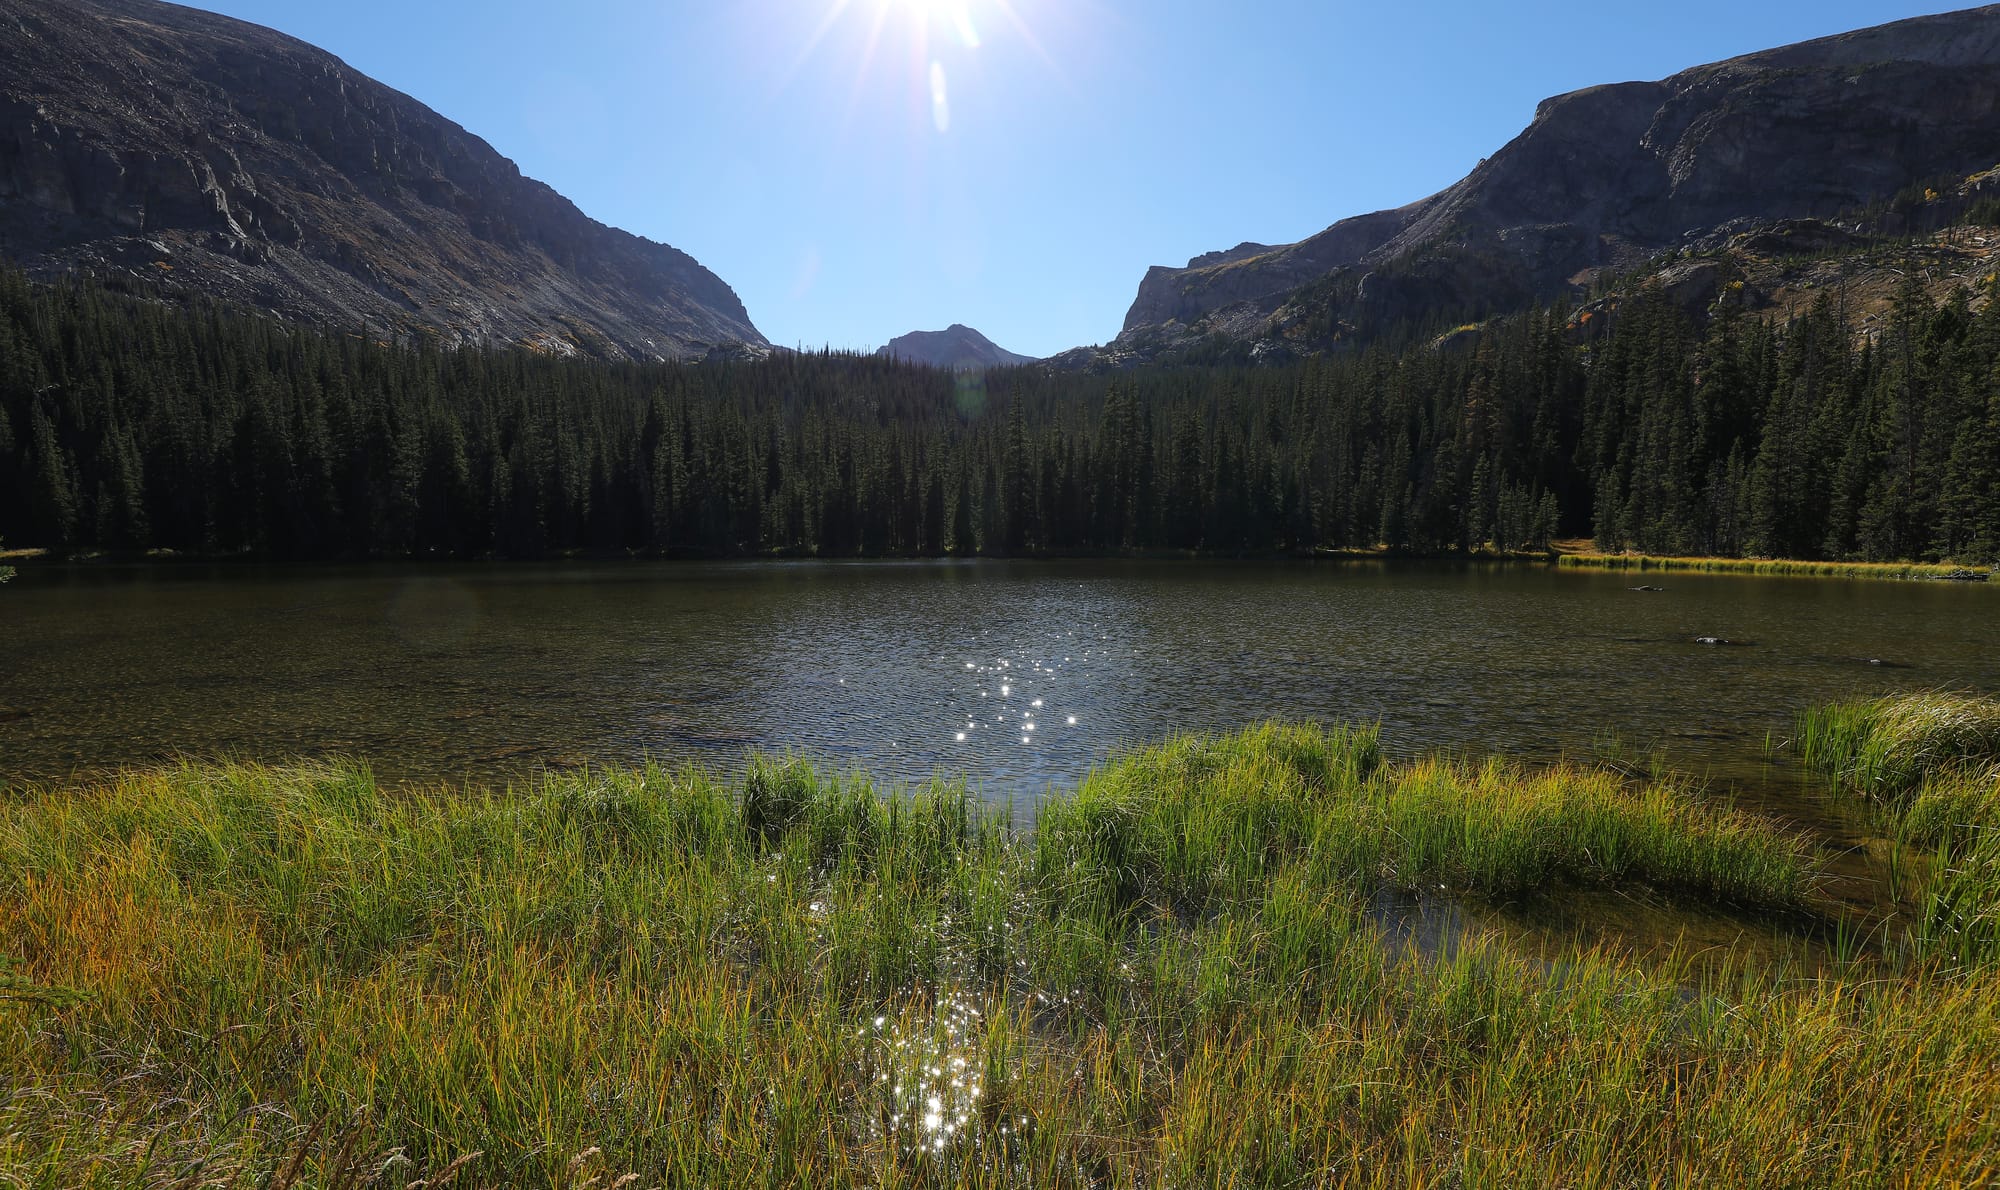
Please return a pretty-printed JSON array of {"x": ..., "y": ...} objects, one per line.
[{"x": 1017, "y": 675}]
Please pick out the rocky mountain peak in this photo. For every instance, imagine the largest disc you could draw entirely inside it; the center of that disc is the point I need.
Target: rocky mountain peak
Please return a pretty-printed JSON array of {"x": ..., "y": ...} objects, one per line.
[
  {"x": 211, "y": 156},
  {"x": 1603, "y": 180},
  {"x": 957, "y": 346}
]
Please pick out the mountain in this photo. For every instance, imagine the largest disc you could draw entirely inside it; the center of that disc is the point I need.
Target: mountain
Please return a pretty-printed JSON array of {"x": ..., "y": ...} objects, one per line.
[
  {"x": 1604, "y": 181},
  {"x": 957, "y": 346},
  {"x": 219, "y": 158}
]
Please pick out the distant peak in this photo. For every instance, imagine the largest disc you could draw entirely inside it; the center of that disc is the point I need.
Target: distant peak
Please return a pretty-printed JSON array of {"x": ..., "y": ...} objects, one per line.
[{"x": 957, "y": 346}]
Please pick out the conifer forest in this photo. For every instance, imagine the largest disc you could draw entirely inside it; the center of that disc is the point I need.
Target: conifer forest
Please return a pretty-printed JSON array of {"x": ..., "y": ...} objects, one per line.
[{"x": 128, "y": 424}]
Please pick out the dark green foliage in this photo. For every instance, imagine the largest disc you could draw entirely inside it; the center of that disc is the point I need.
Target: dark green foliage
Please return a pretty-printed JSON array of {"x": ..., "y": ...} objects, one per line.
[
  {"x": 1797, "y": 441},
  {"x": 1984, "y": 212},
  {"x": 130, "y": 424}
]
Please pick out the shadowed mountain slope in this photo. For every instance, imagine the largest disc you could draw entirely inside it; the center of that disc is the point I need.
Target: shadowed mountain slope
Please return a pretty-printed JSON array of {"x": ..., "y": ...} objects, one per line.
[
  {"x": 218, "y": 157},
  {"x": 1603, "y": 181}
]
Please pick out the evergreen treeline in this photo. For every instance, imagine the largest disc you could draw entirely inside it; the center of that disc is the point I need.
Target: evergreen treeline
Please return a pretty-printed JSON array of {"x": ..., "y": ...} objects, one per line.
[{"x": 127, "y": 423}]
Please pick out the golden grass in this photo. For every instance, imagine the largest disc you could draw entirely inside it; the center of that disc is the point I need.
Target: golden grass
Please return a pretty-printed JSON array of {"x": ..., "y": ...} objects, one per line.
[
  {"x": 1762, "y": 566},
  {"x": 1887, "y": 747},
  {"x": 290, "y": 977}
]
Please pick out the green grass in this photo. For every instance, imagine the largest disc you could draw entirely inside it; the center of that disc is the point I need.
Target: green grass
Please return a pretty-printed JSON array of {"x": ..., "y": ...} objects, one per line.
[
  {"x": 1761, "y": 566},
  {"x": 1198, "y": 820},
  {"x": 1955, "y": 815},
  {"x": 1887, "y": 747},
  {"x": 1930, "y": 764},
  {"x": 280, "y": 977}
]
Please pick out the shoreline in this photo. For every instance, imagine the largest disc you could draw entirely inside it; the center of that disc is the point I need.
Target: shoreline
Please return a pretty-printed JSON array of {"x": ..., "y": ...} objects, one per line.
[
  {"x": 1560, "y": 556},
  {"x": 1774, "y": 567}
]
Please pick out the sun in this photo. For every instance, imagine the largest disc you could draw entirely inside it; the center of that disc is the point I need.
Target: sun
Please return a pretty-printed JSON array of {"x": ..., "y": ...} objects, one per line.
[
  {"x": 927, "y": 21},
  {"x": 929, "y": 44},
  {"x": 926, "y": 26},
  {"x": 942, "y": 18}
]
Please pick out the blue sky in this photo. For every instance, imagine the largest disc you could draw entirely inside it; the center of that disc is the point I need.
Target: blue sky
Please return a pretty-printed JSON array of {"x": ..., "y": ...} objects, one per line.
[{"x": 800, "y": 148}]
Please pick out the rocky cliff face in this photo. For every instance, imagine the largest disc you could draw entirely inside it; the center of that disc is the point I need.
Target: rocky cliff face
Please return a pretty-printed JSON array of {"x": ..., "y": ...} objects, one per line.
[
  {"x": 957, "y": 346},
  {"x": 1606, "y": 179},
  {"x": 217, "y": 157}
]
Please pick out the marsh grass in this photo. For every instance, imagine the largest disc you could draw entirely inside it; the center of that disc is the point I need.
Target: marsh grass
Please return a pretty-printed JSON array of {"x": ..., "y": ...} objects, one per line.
[
  {"x": 1196, "y": 822},
  {"x": 1956, "y": 816},
  {"x": 292, "y": 977},
  {"x": 1887, "y": 747},
  {"x": 1930, "y": 765},
  {"x": 1760, "y": 566}
]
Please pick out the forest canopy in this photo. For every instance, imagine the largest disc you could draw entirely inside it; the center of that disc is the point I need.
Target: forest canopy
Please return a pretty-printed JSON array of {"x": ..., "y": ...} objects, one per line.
[{"x": 129, "y": 424}]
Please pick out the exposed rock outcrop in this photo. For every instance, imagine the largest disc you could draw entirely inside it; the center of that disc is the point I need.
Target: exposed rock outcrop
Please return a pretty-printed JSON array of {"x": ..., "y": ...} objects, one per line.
[
  {"x": 218, "y": 157},
  {"x": 1604, "y": 180}
]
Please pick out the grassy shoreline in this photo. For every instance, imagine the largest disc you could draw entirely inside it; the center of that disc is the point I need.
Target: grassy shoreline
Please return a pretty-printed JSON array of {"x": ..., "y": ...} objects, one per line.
[
  {"x": 289, "y": 977},
  {"x": 1775, "y": 567},
  {"x": 1562, "y": 555},
  {"x": 1929, "y": 766}
]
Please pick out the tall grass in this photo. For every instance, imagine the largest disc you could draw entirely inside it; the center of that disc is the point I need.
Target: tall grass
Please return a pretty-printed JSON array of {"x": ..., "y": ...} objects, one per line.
[
  {"x": 1931, "y": 764},
  {"x": 1955, "y": 815},
  {"x": 1195, "y": 820},
  {"x": 1888, "y": 746},
  {"x": 292, "y": 977},
  {"x": 1763, "y": 566}
]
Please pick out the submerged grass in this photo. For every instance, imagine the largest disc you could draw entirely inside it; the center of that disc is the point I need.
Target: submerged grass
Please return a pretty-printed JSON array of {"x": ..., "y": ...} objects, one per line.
[
  {"x": 1764, "y": 566},
  {"x": 290, "y": 977},
  {"x": 1930, "y": 763}
]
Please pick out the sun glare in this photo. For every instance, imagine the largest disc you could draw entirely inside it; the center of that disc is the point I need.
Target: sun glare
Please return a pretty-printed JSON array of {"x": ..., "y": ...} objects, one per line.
[
  {"x": 938, "y": 18},
  {"x": 938, "y": 34}
]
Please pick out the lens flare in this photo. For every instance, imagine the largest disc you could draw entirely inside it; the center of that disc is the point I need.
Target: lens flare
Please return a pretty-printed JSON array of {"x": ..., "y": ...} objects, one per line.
[
  {"x": 961, "y": 22},
  {"x": 940, "y": 99}
]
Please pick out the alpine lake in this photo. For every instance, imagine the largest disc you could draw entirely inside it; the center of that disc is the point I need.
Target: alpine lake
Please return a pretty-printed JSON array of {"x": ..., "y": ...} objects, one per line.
[{"x": 1016, "y": 676}]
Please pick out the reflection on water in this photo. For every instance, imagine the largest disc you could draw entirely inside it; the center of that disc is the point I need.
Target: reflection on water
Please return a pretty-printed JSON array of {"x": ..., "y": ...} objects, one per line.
[
  {"x": 1428, "y": 927},
  {"x": 928, "y": 1072},
  {"x": 1017, "y": 675}
]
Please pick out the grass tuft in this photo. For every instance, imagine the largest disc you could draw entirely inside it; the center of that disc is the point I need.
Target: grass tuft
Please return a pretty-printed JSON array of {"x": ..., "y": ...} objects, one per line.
[
  {"x": 1886, "y": 747},
  {"x": 1930, "y": 763}
]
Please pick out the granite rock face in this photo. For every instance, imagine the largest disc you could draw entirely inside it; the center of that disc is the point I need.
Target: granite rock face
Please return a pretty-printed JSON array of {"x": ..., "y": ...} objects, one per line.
[
  {"x": 1604, "y": 180},
  {"x": 958, "y": 347},
  {"x": 219, "y": 158}
]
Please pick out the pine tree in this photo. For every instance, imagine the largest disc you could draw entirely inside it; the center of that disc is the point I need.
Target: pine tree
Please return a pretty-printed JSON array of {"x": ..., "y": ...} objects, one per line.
[{"x": 53, "y": 496}]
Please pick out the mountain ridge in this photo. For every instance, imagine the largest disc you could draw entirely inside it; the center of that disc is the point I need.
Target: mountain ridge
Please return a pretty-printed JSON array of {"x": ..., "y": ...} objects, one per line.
[
  {"x": 1604, "y": 179},
  {"x": 215, "y": 156}
]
